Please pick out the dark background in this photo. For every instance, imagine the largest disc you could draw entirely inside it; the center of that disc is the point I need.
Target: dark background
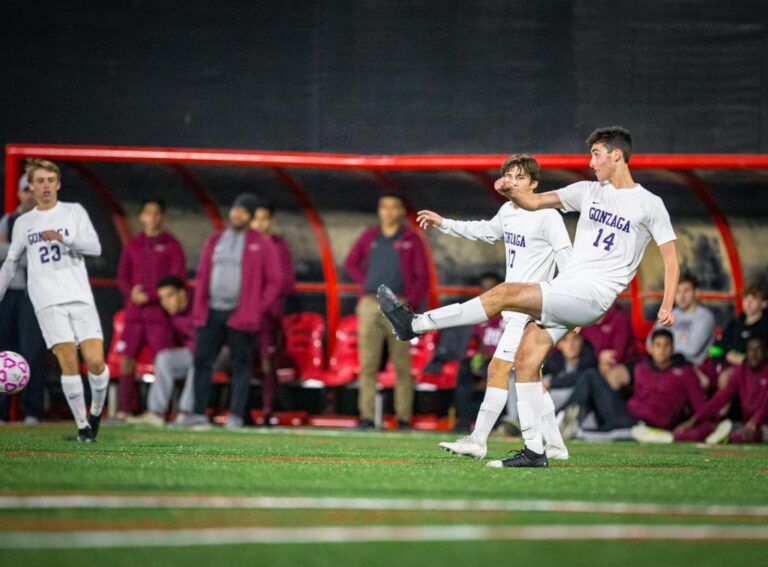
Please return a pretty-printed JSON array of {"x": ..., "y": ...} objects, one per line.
[{"x": 386, "y": 77}]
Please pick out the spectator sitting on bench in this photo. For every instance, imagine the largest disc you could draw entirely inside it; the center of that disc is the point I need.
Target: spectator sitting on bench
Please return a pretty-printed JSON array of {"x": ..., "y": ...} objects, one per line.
[
  {"x": 175, "y": 362},
  {"x": 572, "y": 359},
  {"x": 664, "y": 386},
  {"x": 749, "y": 381}
]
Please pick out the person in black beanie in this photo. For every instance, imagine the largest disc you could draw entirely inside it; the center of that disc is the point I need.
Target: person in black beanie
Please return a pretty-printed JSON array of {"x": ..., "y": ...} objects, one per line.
[{"x": 238, "y": 281}]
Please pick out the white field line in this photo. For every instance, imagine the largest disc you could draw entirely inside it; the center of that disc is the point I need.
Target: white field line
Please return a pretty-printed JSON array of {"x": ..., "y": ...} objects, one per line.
[
  {"x": 309, "y": 503},
  {"x": 228, "y": 536}
]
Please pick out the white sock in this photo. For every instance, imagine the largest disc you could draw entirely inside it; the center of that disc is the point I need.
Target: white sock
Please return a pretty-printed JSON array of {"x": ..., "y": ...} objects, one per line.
[
  {"x": 454, "y": 315},
  {"x": 99, "y": 384},
  {"x": 493, "y": 404},
  {"x": 73, "y": 391},
  {"x": 529, "y": 405},
  {"x": 549, "y": 427}
]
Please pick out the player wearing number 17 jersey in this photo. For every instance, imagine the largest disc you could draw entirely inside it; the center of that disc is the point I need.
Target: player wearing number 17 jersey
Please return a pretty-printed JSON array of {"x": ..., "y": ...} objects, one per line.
[
  {"x": 618, "y": 219},
  {"x": 534, "y": 242},
  {"x": 56, "y": 237}
]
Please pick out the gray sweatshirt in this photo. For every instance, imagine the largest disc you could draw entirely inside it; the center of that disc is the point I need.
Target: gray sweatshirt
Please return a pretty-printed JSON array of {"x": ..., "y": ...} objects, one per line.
[
  {"x": 694, "y": 332},
  {"x": 227, "y": 272}
]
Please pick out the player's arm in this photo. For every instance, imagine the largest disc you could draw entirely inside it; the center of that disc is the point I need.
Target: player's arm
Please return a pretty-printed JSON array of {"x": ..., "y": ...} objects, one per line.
[
  {"x": 485, "y": 230},
  {"x": 85, "y": 242},
  {"x": 527, "y": 200},
  {"x": 671, "y": 275}
]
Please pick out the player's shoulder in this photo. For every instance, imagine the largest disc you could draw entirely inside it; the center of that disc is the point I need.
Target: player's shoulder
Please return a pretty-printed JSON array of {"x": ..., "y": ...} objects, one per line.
[
  {"x": 582, "y": 186},
  {"x": 72, "y": 207}
]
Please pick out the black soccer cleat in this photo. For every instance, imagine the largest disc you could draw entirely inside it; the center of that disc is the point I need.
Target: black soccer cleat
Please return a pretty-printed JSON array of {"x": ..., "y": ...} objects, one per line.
[
  {"x": 522, "y": 459},
  {"x": 94, "y": 421},
  {"x": 86, "y": 435},
  {"x": 397, "y": 313}
]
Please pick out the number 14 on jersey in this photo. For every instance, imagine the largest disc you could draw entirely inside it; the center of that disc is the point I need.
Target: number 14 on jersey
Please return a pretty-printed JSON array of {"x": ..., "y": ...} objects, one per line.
[{"x": 607, "y": 241}]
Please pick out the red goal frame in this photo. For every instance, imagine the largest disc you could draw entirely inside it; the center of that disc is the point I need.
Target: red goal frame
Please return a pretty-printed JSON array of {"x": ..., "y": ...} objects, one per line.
[{"x": 179, "y": 158}]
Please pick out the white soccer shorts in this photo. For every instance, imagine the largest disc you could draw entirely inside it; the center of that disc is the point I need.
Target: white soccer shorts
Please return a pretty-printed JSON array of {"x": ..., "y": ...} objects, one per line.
[
  {"x": 514, "y": 327},
  {"x": 571, "y": 302},
  {"x": 72, "y": 322}
]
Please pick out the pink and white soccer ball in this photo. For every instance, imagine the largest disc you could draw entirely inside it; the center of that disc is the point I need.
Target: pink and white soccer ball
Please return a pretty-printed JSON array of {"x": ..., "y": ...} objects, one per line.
[{"x": 14, "y": 372}]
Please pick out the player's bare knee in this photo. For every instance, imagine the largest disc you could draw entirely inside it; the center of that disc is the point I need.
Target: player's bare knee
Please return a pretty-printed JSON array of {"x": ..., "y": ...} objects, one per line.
[
  {"x": 96, "y": 366},
  {"x": 498, "y": 373}
]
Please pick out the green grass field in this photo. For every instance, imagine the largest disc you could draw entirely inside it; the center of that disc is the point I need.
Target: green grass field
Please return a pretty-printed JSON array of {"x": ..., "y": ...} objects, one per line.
[{"x": 314, "y": 497}]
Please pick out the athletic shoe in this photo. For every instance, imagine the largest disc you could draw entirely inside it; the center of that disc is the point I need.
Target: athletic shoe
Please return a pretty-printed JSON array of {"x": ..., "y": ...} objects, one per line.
[
  {"x": 555, "y": 453},
  {"x": 147, "y": 418},
  {"x": 525, "y": 458},
  {"x": 466, "y": 446},
  {"x": 365, "y": 424},
  {"x": 193, "y": 421},
  {"x": 31, "y": 420},
  {"x": 646, "y": 434},
  {"x": 398, "y": 314},
  {"x": 403, "y": 425},
  {"x": 721, "y": 433},
  {"x": 570, "y": 426},
  {"x": 85, "y": 435},
  {"x": 234, "y": 422},
  {"x": 94, "y": 421}
]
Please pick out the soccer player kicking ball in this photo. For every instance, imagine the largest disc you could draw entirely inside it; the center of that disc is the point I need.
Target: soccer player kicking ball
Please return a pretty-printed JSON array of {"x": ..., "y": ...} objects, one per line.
[
  {"x": 56, "y": 237},
  {"x": 533, "y": 242},
  {"x": 618, "y": 218}
]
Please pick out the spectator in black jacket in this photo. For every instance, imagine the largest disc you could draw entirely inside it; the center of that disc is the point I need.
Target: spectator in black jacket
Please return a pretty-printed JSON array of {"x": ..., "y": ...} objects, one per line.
[
  {"x": 567, "y": 365},
  {"x": 752, "y": 322}
]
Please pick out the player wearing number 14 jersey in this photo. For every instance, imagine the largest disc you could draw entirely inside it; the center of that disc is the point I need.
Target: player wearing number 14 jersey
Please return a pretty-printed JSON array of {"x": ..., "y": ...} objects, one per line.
[
  {"x": 56, "y": 237},
  {"x": 618, "y": 219}
]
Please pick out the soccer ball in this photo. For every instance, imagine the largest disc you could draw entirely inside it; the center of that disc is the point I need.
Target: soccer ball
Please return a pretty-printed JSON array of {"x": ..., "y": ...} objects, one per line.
[{"x": 14, "y": 372}]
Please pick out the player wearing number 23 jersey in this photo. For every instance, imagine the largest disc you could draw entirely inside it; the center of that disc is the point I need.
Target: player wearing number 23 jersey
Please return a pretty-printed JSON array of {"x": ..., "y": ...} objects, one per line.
[{"x": 57, "y": 272}]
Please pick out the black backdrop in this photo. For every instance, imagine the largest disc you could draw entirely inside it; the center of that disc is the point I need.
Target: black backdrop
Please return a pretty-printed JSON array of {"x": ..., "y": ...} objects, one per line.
[{"x": 386, "y": 77}]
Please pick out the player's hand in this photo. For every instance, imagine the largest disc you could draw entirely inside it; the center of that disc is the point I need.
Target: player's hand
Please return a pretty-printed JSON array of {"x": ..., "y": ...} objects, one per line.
[
  {"x": 503, "y": 187},
  {"x": 425, "y": 219},
  {"x": 49, "y": 235},
  {"x": 665, "y": 318},
  {"x": 138, "y": 295}
]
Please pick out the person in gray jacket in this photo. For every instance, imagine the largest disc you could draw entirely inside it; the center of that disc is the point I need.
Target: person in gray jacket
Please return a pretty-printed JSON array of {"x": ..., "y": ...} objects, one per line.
[
  {"x": 694, "y": 327},
  {"x": 19, "y": 330}
]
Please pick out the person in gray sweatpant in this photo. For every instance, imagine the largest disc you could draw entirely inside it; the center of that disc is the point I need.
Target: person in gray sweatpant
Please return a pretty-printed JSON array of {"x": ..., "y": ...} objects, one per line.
[{"x": 173, "y": 363}]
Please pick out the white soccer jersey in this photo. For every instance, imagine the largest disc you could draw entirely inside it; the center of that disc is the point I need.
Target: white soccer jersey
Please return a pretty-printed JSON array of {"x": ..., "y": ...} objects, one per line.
[
  {"x": 531, "y": 239},
  {"x": 56, "y": 270},
  {"x": 614, "y": 228}
]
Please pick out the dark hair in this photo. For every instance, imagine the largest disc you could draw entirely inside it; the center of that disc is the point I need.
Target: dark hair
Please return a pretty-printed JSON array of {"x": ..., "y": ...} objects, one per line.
[
  {"x": 614, "y": 138},
  {"x": 149, "y": 200},
  {"x": 759, "y": 338},
  {"x": 525, "y": 162},
  {"x": 392, "y": 195},
  {"x": 174, "y": 281},
  {"x": 688, "y": 277},
  {"x": 663, "y": 333},
  {"x": 490, "y": 275},
  {"x": 754, "y": 289},
  {"x": 266, "y": 205}
]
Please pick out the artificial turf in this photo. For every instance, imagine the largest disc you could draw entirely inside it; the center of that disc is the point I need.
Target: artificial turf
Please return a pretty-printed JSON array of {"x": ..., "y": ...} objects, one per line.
[{"x": 315, "y": 463}]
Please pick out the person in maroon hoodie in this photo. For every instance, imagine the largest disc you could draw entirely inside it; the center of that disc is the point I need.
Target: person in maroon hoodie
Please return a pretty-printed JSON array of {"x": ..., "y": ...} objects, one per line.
[
  {"x": 271, "y": 331},
  {"x": 664, "y": 385},
  {"x": 614, "y": 343},
  {"x": 146, "y": 258},
  {"x": 749, "y": 381},
  {"x": 175, "y": 362},
  {"x": 390, "y": 254},
  {"x": 238, "y": 281}
]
